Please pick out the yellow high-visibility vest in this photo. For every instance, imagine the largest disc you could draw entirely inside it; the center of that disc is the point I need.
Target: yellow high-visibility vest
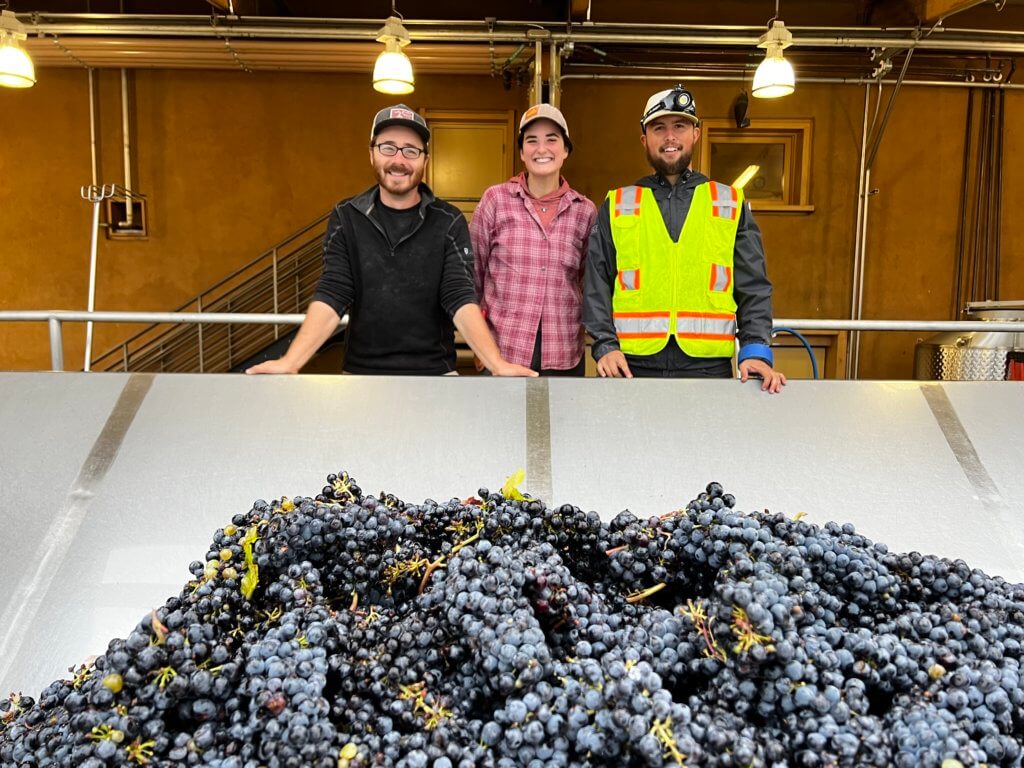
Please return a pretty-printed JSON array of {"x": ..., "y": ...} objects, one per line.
[{"x": 683, "y": 287}]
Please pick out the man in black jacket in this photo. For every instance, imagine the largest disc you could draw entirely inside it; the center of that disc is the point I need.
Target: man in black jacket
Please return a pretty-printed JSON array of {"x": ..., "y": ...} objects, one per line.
[{"x": 399, "y": 260}]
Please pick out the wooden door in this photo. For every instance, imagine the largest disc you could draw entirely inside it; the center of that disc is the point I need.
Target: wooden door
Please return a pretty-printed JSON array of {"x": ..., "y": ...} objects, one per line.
[{"x": 469, "y": 152}]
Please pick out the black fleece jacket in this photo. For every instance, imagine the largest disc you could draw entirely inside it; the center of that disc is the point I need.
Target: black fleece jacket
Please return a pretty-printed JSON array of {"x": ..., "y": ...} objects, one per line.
[{"x": 400, "y": 297}]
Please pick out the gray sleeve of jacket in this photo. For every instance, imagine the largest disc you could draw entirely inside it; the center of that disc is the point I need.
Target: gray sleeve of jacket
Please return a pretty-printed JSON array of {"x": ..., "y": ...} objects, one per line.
[
  {"x": 751, "y": 287},
  {"x": 457, "y": 289},
  {"x": 337, "y": 286},
  {"x": 599, "y": 285}
]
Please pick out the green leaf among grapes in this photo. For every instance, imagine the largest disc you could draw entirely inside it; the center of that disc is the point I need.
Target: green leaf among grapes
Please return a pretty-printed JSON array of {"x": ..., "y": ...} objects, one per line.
[
  {"x": 510, "y": 490},
  {"x": 252, "y": 571},
  {"x": 249, "y": 581}
]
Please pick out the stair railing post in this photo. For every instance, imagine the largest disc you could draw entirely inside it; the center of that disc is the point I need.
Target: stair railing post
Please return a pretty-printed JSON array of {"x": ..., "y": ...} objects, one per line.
[
  {"x": 273, "y": 263},
  {"x": 56, "y": 345},
  {"x": 199, "y": 307}
]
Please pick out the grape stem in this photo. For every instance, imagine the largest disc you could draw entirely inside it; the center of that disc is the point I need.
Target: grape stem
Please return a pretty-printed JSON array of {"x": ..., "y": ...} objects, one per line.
[
  {"x": 643, "y": 594},
  {"x": 440, "y": 562}
]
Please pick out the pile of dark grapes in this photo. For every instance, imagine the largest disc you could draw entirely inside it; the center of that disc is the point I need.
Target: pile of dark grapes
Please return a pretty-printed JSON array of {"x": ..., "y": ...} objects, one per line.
[{"x": 353, "y": 630}]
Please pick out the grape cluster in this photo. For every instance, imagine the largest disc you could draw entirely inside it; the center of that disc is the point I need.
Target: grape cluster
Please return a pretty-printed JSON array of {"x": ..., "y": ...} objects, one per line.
[{"x": 348, "y": 630}]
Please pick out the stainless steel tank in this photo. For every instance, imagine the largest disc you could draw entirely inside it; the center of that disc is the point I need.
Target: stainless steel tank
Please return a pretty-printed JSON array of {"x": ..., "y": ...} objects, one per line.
[{"x": 972, "y": 356}]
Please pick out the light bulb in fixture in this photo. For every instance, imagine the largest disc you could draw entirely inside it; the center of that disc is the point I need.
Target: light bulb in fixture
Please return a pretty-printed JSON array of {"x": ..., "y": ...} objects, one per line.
[
  {"x": 744, "y": 178},
  {"x": 774, "y": 76},
  {"x": 392, "y": 72},
  {"x": 16, "y": 68}
]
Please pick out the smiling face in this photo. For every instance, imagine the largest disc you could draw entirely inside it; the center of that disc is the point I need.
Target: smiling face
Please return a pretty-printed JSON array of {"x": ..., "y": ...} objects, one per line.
[
  {"x": 398, "y": 176},
  {"x": 669, "y": 142},
  {"x": 544, "y": 149}
]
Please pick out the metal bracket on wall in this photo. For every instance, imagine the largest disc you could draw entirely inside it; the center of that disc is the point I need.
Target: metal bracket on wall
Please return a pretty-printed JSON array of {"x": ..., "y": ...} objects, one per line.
[{"x": 121, "y": 226}]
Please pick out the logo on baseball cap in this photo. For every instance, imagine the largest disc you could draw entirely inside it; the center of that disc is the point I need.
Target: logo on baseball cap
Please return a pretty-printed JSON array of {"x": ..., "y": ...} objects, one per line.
[
  {"x": 399, "y": 115},
  {"x": 677, "y": 101}
]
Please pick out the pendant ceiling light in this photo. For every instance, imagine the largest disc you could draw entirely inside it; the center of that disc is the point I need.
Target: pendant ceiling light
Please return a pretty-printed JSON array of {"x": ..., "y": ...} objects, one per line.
[
  {"x": 393, "y": 71},
  {"x": 774, "y": 76},
  {"x": 16, "y": 69}
]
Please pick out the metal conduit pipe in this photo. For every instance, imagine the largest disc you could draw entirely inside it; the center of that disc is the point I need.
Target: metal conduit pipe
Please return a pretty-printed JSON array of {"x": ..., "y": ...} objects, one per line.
[
  {"x": 817, "y": 80},
  {"x": 555, "y": 78},
  {"x": 538, "y": 72},
  {"x": 863, "y": 262},
  {"x": 856, "y": 277},
  {"x": 992, "y": 239},
  {"x": 961, "y": 233},
  {"x": 979, "y": 196},
  {"x": 126, "y": 141},
  {"x": 888, "y": 110},
  {"x": 478, "y": 31},
  {"x": 986, "y": 228},
  {"x": 92, "y": 124},
  {"x": 865, "y": 208},
  {"x": 998, "y": 212},
  {"x": 964, "y": 44},
  {"x": 133, "y": 19}
]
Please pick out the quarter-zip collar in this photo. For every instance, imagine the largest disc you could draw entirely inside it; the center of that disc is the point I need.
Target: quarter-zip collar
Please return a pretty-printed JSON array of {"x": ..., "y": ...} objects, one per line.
[{"x": 365, "y": 202}]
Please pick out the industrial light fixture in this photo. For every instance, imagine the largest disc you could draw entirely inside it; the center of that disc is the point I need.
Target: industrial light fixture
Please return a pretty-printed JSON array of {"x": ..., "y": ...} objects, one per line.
[
  {"x": 739, "y": 110},
  {"x": 774, "y": 76},
  {"x": 744, "y": 178},
  {"x": 393, "y": 71},
  {"x": 16, "y": 69}
]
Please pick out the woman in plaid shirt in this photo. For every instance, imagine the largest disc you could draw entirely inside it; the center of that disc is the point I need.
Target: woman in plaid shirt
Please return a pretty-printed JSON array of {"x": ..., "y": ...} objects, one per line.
[{"x": 530, "y": 239}]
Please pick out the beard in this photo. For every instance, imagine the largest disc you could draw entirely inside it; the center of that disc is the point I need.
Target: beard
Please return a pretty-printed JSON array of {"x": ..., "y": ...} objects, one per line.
[
  {"x": 398, "y": 185},
  {"x": 665, "y": 167}
]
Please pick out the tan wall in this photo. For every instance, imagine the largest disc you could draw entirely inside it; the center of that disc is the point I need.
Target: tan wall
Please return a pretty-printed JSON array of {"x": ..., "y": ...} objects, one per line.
[
  {"x": 233, "y": 163},
  {"x": 912, "y": 219}
]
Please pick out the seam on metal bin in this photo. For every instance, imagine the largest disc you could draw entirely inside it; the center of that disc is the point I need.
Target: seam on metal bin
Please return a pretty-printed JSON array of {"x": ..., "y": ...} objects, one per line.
[{"x": 30, "y": 592}]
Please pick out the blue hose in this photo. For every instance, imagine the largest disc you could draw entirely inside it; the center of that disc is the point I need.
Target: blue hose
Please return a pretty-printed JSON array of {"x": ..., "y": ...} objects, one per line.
[{"x": 807, "y": 346}]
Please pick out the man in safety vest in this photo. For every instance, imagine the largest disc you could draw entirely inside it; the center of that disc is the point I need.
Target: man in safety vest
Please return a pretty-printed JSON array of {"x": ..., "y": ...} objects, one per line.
[{"x": 675, "y": 266}]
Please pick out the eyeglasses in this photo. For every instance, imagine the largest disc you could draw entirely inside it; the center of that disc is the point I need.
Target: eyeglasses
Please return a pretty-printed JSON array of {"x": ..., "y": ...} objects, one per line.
[
  {"x": 390, "y": 150},
  {"x": 678, "y": 100}
]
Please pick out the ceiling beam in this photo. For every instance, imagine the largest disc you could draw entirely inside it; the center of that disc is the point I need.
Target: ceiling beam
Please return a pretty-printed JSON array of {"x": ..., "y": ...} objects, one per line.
[
  {"x": 579, "y": 9},
  {"x": 930, "y": 11},
  {"x": 236, "y": 7}
]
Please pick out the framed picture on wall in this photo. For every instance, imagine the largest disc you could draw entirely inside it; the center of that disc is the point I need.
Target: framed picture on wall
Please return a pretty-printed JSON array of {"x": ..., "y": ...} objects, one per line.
[{"x": 769, "y": 159}]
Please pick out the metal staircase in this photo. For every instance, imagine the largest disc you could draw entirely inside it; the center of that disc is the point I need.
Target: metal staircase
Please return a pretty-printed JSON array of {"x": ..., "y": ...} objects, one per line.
[{"x": 280, "y": 281}]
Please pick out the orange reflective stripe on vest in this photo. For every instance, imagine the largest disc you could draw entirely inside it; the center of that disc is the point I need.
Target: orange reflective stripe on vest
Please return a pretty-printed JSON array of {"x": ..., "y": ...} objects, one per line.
[
  {"x": 724, "y": 203},
  {"x": 627, "y": 201},
  {"x": 641, "y": 325},
  {"x": 706, "y": 325},
  {"x": 721, "y": 278},
  {"x": 629, "y": 279}
]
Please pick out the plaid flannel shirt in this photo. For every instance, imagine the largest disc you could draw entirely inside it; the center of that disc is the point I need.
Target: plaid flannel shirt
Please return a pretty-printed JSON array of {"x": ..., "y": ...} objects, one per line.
[{"x": 528, "y": 277}]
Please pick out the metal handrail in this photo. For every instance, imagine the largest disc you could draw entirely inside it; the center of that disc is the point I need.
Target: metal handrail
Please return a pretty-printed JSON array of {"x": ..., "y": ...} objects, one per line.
[
  {"x": 257, "y": 293},
  {"x": 253, "y": 296},
  {"x": 56, "y": 317},
  {"x": 266, "y": 254},
  {"x": 274, "y": 281}
]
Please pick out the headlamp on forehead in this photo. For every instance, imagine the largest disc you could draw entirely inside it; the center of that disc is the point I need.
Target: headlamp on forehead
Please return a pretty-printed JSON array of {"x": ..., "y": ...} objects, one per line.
[{"x": 678, "y": 101}]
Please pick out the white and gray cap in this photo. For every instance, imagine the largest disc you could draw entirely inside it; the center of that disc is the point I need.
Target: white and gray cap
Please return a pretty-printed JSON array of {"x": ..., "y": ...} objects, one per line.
[{"x": 675, "y": 101}]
